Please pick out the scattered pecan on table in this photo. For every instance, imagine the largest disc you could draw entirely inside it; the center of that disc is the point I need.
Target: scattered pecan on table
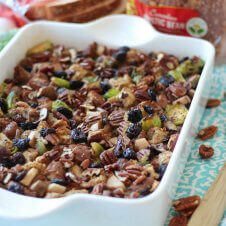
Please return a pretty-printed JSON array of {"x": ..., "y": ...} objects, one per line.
[
  {"x": 99, "y": 121},
  {"x": 206, "y": 151},
  {"x": 212, "y": 103},
  {"x": 207, "y": 132}
]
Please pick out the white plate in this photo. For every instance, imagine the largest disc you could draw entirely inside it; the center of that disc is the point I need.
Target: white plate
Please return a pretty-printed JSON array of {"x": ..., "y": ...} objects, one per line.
[{"x": 90, "y": 210}]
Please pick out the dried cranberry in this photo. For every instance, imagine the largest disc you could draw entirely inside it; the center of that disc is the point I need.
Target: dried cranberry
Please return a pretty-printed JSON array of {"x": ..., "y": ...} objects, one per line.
[
  {"x": 78, "y": 136},
  {"x": 21, "y": 144},
  {"x": 133, "y": 130},
  {"x": 135, "y": 115},
  {"x": 65, "y": 111},
  {"x": 3, "y": 105},
  {"x": 15, "y": 187},
  {"x": 129, "y": 153},
  {"x": 76, "y": 84},
  {"x": 18, "y": 158},
  {"x": 152, "y": 94},
  {"x": 149, "y": 109},
  {"x": 28, "y": 125},
  {"x": 45, "y": 131}
]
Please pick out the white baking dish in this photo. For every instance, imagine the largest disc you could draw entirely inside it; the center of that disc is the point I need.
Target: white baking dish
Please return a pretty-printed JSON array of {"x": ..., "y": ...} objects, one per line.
[{"x": 90, "y": 210}]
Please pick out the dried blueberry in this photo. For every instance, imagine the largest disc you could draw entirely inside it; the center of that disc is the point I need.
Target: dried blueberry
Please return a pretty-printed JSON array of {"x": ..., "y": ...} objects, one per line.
[
  {"x": 21, "y": 144},
  {"x": 166, "y": 80},
  {"x": 65, "y": 111},
  {"x": 3, "y": 105},
  {"x": 60, "y": 74},
  {"x": 28, "y": 125},
  {"x": 59, "y": 181},
  {"x": 96, "y": 165},
  {"x": 105, "y": 86},
  {"x": 163, "y": 118},
  {"x": 129, "y": 153},
  {"x": 133, "y": 130},
  {"x": 18, "y": 158},
  {"x": 20, "y": 175},
  {"x": 152, "y": 94},
  {"x": 15, "y": 187},
  {"x": 149, "y": 109},
  {"x": 45, "y": 131},
  {"x": 124, "y": 49},
  {"x": 135, "y": 115},
  {"x": 76, "y": 84},
  {"x": 5, "y": 157},
  {"x": 118, "y": 148},
  {"x": 78, "y": 136},
  {"x": 34, "y": 105},
  {"x": 161, "y": 170},
  {"x": 120, "y": 56}
]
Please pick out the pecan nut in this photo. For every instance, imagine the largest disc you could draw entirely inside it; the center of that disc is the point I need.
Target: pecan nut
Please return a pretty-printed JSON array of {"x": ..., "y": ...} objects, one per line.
[
  {"x": 107, "y": 157},
  {"x": 116, "y": 117},
  {"x": 186, "y": 206},
  {"x": 207, "y": 132},
  {"x": 206, "y": 151},
  {"x": 212, "y": 103},
  {"x": 178, "y": 221}
]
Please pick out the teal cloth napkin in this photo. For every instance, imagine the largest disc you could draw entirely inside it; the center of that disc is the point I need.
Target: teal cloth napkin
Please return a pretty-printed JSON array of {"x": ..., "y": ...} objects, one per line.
[{"x": 198, "y": 174}]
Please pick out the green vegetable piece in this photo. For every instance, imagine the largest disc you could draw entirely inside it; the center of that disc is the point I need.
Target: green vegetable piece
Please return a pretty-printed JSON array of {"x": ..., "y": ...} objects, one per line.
[
  {"x": 41, "y": 147},
  {"x": 190, "y": 66},
  {"x": 10, "y": 99},
  {"x": 136, "y": 77},
  {"x": 154, "y": 121},
  {"x": 90, "y": 79},
  {"x": 111, "y": 93},
  {"x": 58, "y": 103},
  {"x": 96, "y": 149},
  {"x": 61, "y": 82},
  {"x": 176, "y": 113},
  {"x": 177, "y": 76},
  {"x": 42, "y": 47}
]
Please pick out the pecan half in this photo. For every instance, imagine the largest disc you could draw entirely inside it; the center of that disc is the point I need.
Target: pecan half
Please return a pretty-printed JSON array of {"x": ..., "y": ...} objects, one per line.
[
  {"x": 178, "y": 221},
  {"x": 207, "y": 132},
  {"x": 186, "y": 206},
  {"x": 116, "y": 117},
  {"x": 212, "y": 103},
  {"x": 206, "y": 151},
  {"x": 107, "y": 157}
]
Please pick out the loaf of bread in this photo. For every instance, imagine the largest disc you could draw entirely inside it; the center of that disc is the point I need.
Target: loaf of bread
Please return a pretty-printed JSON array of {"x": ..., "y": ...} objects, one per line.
[{"x": 74, "y": 10}]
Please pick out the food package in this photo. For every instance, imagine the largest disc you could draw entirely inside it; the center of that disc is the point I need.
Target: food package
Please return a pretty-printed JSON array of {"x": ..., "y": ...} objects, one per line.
[{"x": 197, "y": 18}]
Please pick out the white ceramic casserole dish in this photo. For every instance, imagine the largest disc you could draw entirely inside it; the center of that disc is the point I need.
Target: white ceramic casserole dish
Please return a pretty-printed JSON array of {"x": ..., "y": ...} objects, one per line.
[{"x": 91, "y": 210}]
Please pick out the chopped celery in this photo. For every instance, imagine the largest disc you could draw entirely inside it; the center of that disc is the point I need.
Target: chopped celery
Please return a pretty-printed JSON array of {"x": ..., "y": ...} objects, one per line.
[
  {"x": 96, "y": 148},
  {"x": 58, "y": 103},
  {"x": 154, "y": 121},
  {"x": 41, "y": 147},
  {"x": 61, "y": 82},
  {"x": 41, "y": 47},
  {"x": 10, "y": 99},
  {"x": 111, "y": 93},
  {"x": 176, "y": 113},
  {"x": 177, "y": 76}
]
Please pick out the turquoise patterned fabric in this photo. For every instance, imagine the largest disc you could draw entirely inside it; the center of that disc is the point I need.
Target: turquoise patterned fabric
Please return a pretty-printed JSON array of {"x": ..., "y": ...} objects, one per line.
[{"x": 198, "y": 174}]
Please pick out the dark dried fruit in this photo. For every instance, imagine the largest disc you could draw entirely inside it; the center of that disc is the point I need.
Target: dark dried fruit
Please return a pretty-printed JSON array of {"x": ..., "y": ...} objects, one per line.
[
  {"x": 45, "y": 131},
  {"x": 124, "y": 49},
  {"x": 78, "y": 136},
  {"x": 149, "y": 109},
  {"x": 161, "y": 170},
  {"x": 134, "y": 115},
  {"x": 166, "y": 80},
  {"x": 152, "y": 94},
  {"x": 15, "y": 187},
  {"x": 76, "y": 84},
  {"x": 178, "y": 221},
  {"x": 212, "y": 103},
  {"x": 207, "y": 132},
  {"x": 21, "y": 144},
  {"x": 186, "y": 206},
  {"x": 3, "y": 105},
  {"x": 18, "y": 158},
  {"x": 163, "y": 118},
  {"x": 206, "y": 151},
  {"x": 60, "y": 74},
  {"x": 105, "y": 86},
  {"x": 129, "y": 153},
  {"x": 120, "y": 55},
  {"x": 59, "y": 181},
  {"x": 118, "y": 148},
  {"x": 65, "y": 111},
  {"x": 28, "y": 125},
  {"x": 5, "y": 157},
  {"x": 20, "y": 175},
  {"x": 133, "y": 130}
]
